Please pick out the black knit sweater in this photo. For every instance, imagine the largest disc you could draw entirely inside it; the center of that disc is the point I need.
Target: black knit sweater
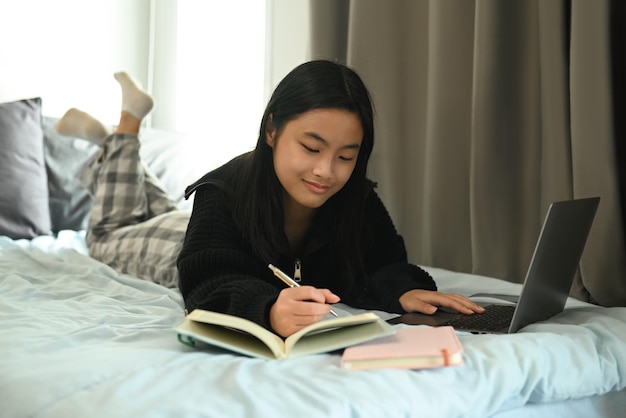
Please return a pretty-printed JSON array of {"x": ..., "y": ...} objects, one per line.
[{"x": 219, "y": 271}]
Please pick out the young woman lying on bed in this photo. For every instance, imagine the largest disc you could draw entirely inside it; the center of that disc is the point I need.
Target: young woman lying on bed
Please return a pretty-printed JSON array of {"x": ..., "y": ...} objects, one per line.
[{"x": 300, "y": 201}]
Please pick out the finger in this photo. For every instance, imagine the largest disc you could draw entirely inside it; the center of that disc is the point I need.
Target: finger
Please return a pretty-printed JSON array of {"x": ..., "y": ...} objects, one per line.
[
  {"x": 286, "y": 326},
  {"x": 312, "y": 294},
  {"x": 306, "y": 309},
  {"x": 429, "y": 301},
  {"x": 308, "y": 293},
  {"x": 468, "y": 304},
  {"x": 312, "y": 311},
  {"x": 308, "y": 301},
  {"x": 329, "y": 296},
  {"x": 289, "y": 315},
  {"x": 422, "y": 306},
  {"x": 461, "y": 304}
]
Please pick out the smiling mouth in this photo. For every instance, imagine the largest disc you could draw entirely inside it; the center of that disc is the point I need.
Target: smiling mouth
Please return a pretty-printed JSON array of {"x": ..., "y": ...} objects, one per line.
[{"x": 316, "y": 187}]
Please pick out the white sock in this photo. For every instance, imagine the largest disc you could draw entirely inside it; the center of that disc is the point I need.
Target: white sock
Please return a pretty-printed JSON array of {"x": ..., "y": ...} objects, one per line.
[
  {"x": 134, "y": 100},
  {"x": 82, "y": 125}
]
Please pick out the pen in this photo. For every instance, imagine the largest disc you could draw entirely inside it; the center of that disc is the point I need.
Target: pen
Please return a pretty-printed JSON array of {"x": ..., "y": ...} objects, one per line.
[{"x": 289, "y": 281}]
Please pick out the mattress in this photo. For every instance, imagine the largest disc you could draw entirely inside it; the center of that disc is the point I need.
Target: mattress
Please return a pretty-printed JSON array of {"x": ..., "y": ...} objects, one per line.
[{"x": 79, "y": 339}]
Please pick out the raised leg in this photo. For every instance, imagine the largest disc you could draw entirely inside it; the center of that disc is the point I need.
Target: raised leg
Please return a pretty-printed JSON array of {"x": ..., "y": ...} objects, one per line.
[{"x": 134, "y": 225}]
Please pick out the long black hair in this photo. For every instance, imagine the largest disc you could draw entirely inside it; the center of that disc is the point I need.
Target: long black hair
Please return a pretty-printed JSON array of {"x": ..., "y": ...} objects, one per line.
[{"x": 258, "y": 205}]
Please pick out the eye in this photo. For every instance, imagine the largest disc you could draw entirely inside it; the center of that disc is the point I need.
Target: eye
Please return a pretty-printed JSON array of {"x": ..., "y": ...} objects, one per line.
[
  {"x": 309, "y": 149},
  {"x": 349, "y": 155}
]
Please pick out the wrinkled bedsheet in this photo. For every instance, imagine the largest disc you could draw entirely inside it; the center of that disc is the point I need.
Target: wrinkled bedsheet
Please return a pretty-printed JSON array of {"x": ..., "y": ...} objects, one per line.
[{"x": 79, "y": 339}]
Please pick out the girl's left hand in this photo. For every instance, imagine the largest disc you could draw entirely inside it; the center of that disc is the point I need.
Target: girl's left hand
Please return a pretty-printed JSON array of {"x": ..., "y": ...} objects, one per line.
[{"x": 427, "y": 302}]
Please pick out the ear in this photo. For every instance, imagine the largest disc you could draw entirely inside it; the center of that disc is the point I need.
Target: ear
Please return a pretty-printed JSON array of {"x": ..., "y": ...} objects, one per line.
[{"x": 270, "y": 132}]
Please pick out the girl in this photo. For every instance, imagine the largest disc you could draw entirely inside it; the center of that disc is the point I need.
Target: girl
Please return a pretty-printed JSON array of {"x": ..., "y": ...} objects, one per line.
[{"x": 300, "y": 201}]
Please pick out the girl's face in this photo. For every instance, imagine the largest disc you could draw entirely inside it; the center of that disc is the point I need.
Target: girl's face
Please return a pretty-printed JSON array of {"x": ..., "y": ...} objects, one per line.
[{"x": 315, "y": 154}]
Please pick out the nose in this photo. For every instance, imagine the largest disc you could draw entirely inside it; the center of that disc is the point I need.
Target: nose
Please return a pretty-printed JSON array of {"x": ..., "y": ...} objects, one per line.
[{"x": 324, "y": 168}]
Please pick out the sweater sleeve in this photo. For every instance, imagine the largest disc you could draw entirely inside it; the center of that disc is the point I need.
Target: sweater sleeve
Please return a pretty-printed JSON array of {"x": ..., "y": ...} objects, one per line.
[
  {"x": 217, "y": 269},
  {"x": 389, "y": 274}
]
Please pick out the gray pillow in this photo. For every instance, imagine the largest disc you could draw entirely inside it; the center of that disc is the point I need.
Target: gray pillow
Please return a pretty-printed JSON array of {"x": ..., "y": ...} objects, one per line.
[
  {"x": 70, "y": 202},
  {"x": 24, "y": 210},
  {"x": 165, "y": 153}
]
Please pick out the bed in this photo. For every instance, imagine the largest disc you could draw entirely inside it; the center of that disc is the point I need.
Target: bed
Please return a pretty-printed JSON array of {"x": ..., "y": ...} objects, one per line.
[{"x": 79, "y": 339}]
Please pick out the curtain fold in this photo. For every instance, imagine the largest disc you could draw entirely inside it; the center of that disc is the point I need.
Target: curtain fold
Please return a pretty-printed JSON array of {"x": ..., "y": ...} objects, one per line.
[
  {"x": 486, "y": 112},
  {"x": 617, "y": 15},
  {"x": 593, "y": 149},
  {"x": 504, "y": 176}
]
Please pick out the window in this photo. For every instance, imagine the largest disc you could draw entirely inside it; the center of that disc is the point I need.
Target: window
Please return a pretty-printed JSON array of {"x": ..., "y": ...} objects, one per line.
[
  {"x": 220, "y": 75},
  {"x": 204, "y": 62}
]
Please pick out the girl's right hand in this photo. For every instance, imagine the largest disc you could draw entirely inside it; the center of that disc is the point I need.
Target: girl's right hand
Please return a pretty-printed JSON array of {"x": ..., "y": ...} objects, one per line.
[{"x": 298, "y": 307}]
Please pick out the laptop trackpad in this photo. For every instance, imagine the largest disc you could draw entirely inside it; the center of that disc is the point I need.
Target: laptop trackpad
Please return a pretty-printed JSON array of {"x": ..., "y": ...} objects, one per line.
[{"x": 415, "y": 318}]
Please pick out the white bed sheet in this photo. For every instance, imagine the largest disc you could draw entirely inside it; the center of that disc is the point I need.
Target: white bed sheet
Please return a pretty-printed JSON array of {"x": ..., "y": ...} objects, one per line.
[{"x": 78, "y": 339}]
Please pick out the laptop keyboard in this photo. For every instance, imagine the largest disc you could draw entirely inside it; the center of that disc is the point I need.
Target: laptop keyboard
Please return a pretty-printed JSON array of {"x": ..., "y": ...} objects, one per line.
[{"x": 495, "y": 318}]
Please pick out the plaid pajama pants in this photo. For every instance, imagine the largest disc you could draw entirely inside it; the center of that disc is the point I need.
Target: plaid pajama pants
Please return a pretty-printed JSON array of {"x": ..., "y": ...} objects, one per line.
[{"x": 135, "y": 227}]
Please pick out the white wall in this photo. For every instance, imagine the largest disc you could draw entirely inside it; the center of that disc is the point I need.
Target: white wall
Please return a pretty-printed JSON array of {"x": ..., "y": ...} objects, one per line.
[
  {"x": 65, "y": 51},
  {"x": 287, "y": 36}
]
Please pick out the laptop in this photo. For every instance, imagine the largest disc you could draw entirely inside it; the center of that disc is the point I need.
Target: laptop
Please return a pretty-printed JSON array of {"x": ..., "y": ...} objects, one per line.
[{"x": 548, "y": 280}]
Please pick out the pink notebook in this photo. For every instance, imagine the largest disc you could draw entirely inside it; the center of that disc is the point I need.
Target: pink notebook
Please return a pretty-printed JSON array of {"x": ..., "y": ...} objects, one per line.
[{"x": 408, "y": 348}]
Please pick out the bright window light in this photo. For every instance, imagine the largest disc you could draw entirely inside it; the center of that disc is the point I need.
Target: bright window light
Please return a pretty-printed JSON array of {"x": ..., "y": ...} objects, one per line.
[{"x": 220, "y": 67}]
